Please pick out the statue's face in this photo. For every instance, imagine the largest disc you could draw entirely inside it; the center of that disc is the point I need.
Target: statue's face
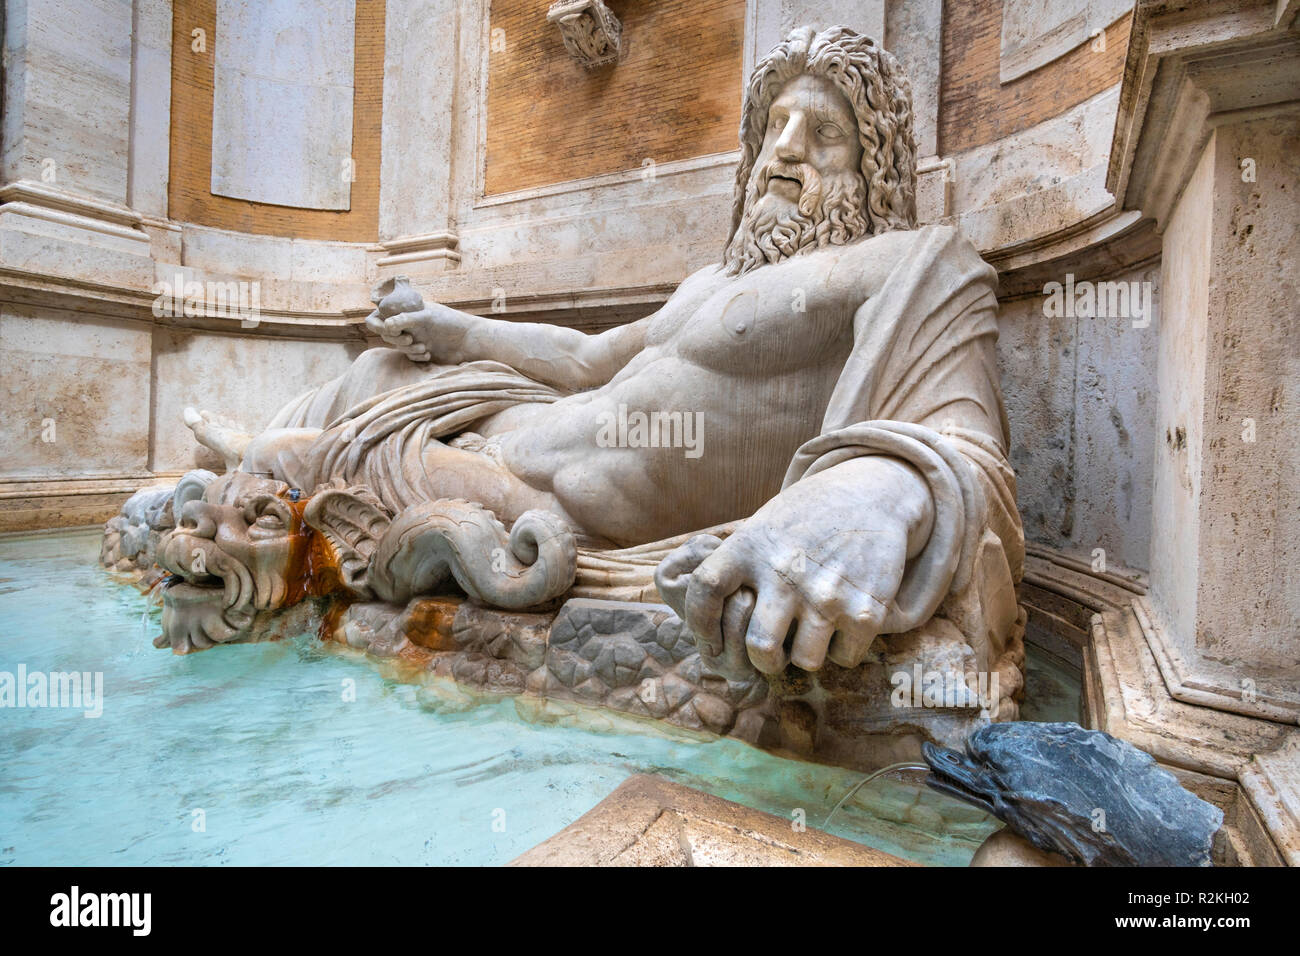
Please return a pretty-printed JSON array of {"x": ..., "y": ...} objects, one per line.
[
  {"x": 240, "y": 549},
  {"x": 812, "y": 135},
  {"x": 806, "y": 189}
]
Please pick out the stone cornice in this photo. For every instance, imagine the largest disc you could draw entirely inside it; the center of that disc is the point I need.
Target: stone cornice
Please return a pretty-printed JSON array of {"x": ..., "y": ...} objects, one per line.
[
  {"x": 88, "y": 212},
  {"x": 87, "y": 297},
  {"x": 1191, "y": 66}
]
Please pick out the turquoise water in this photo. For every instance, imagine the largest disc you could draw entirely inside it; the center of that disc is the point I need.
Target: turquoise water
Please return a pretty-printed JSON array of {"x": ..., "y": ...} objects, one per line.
[{"x": 252, "y": 754}]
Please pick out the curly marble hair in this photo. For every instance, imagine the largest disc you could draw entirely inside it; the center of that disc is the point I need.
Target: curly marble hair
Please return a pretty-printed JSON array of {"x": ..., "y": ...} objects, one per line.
[{"x": 873, "y": 82}]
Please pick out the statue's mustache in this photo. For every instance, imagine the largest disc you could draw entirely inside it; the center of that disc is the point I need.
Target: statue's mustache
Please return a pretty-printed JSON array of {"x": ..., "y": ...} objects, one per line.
[
  {"x": 831, "y": 209},
  {"x": 810, "y": 182}
]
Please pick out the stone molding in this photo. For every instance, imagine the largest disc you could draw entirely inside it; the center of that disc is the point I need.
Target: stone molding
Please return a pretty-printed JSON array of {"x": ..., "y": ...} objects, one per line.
[
  {"x": 434, "y": 246},
  {"x": 103, "y": 216},
  {"x": 1271, "y": 782},
  {"x": 1186, "y": 73}
]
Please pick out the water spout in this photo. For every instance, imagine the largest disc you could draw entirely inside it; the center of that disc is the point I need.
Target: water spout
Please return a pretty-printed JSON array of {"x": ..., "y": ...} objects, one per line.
[
  {"x": 905, "y": 765},
  {"x": 152, "y": 599}
]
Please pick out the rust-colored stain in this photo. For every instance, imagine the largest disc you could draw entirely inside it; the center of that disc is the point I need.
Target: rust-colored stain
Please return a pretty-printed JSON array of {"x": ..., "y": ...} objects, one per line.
[
  {"x": 313, "y": 569},
  {"x": 333, "y": 617},
  {"x": 428, "y": 622}
]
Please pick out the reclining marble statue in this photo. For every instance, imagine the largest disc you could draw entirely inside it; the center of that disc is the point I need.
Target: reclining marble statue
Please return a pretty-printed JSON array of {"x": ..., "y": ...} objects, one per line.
[{"x": 844, "y": 480}]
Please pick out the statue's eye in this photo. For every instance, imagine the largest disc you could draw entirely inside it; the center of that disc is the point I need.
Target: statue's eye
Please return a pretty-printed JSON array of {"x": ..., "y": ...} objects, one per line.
[
  {"x": 829, "y": 131},
  {"x": 269, "y": 522}
]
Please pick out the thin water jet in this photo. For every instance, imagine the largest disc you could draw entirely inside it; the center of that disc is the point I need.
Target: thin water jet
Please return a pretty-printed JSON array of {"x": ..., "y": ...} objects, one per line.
[{"x": 904, "y": 765}]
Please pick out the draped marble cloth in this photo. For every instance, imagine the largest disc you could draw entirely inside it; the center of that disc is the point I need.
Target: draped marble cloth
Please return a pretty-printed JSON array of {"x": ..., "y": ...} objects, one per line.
[{"x": 920, "y": 385}]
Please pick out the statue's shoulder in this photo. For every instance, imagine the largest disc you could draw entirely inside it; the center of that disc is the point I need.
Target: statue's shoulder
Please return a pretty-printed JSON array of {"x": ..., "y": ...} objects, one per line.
[
  {"x": 877, "y": 254},
  {"x": 930, "y": 242},
  {"x": 906, "y": 242}
]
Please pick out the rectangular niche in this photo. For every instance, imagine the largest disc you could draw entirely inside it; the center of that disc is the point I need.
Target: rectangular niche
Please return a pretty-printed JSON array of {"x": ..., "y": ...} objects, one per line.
[
  {"x": 1037, "y": 32},
  {"x": 282, "y": 102}
]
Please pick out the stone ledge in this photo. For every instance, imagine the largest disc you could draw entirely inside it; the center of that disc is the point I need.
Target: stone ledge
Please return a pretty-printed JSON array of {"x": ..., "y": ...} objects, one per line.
[
  {"x": 28, "y": 504},
  {"x": 649, "y": 821},
  {"x": 1271, "y": 782},
  {"x": 1211, "y": 684},
  {"x": 1130, "y": 700}
]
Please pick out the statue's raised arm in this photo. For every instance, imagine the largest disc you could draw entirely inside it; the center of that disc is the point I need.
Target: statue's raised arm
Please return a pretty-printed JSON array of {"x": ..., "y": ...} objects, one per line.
[{"x": 552, "y": 354}]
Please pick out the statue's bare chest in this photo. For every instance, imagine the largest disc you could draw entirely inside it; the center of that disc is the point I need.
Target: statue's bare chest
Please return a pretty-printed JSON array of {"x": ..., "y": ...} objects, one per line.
[{"x": 795, "y": 314}]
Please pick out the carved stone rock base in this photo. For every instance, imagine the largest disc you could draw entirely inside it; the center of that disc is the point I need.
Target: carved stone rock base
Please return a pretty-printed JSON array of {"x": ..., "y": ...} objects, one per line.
[{"x": 638, "y": 659}]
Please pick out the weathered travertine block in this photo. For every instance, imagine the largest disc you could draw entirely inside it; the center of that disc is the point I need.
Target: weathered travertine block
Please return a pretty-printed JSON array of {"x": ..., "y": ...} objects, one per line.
[
  {"x": 282, "y": 102},
  {"x": 271, "y": 367},
  {"x": 61, "y": 370},
  {"x": 648, "y": 821},
  {"x": 1081, "y": 392}
]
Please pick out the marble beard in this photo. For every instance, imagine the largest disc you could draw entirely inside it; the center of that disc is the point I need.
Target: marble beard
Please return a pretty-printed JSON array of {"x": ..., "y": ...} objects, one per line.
[{"x": 380, "y": 497}]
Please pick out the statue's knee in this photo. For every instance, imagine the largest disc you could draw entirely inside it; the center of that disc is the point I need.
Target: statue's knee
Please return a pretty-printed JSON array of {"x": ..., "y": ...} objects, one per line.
[
  {"x": 378, "y": 359},
  {"x": 260, "y": 453},
  {"x": 277, "y": 451}
]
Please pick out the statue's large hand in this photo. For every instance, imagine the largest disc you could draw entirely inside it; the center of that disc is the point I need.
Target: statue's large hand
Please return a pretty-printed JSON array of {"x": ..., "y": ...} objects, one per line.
[
  {"x": 434, "y": 333},
  {"x": 421, "y": 333},
  {"x": 818, "y": 565}
]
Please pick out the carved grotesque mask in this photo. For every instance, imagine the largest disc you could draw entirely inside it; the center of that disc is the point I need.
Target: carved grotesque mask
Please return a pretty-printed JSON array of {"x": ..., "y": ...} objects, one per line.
[{"x": 240, "y": 546}]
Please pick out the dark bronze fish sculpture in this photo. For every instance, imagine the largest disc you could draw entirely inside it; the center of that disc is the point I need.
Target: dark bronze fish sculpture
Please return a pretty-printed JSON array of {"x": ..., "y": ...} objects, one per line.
[{"x": 1084, "y": 794}]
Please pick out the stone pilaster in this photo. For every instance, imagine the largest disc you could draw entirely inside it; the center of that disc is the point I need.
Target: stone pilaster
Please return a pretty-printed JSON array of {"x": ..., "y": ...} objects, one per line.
[
  {"x": 65, "y": 145},
  {"x": 416, "y": 227},
  {"x": 1205, "y": 145}
]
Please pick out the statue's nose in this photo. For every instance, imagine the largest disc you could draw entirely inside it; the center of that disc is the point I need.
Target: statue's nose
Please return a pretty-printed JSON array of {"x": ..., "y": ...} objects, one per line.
[
  {"x": 790, "y": 147},
  {"x": 198, "y": 518}
]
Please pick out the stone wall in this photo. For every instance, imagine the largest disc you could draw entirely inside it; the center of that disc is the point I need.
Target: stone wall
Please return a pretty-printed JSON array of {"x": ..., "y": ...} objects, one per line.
[
  {"x": 1081, "y": 397},
  {"x": 674, "y": 95},
  {"x": 977, "y": 108}
]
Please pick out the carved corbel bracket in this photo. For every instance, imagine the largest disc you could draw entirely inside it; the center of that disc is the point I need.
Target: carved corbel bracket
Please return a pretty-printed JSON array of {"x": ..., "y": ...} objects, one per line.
[{"x": 591, "y": 32}]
